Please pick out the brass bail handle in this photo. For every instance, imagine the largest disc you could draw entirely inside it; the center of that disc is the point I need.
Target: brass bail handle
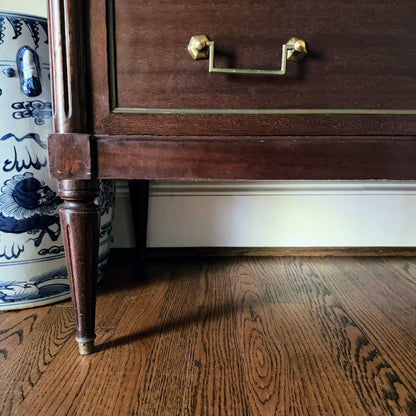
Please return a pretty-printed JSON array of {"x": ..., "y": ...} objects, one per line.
[{"x": 200, "y": 47}]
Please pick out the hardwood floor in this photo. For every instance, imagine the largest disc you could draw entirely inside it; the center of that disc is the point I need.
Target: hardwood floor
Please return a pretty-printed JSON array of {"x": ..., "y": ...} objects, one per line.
[{"x": 224, "y": 336}]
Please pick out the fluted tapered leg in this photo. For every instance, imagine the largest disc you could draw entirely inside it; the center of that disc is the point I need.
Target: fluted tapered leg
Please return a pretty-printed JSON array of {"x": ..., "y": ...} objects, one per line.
[{"x": 80, "y": 222}]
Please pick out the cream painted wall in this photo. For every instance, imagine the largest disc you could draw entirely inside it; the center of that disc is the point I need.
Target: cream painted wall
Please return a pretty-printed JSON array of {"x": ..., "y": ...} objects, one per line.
[{"x": 34, "y": 7}]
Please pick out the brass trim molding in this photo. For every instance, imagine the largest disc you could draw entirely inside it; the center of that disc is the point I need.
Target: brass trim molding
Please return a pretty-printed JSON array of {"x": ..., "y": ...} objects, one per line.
[
  {"x": 250, "y": 111},
  {"x": 111, "y": 47}
]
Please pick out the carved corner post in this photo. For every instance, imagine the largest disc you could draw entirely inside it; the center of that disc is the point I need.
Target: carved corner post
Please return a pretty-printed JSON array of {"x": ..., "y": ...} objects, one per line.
[{"x": 70, "y": 159}]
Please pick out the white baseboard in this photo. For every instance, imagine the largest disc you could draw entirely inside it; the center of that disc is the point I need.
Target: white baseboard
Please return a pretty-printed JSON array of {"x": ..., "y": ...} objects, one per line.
[{"x": 273, "y": 214}]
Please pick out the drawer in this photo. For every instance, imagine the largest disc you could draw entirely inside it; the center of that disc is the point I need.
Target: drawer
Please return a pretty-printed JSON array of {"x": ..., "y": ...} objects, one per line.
[{"x": 357, "y": 78}]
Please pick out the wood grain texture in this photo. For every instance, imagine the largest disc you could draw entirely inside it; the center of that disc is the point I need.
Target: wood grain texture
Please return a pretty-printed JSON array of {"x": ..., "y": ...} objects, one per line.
[
  {"x": 27, "y": 366},
  {"x": 15, "y": 327},
  {"x": 68, "y": 59},
  {"x": 360, "y": 359},
  {"x": 275, "y": 333},
  {"x": 366, "y": 309},
  {"x": 226, "y": 336},
  {"x": 70, "y": 156},
  {"x": 257, "y": 158},
  {"x": 265, "y": 125},
  {"x": 80, "y": 222},
  {"x": 343, "y": 69},
  {"x": 278, "y": 252},
  {"x": 402, "y": 310},
  {"x": 351, "y": 63}
]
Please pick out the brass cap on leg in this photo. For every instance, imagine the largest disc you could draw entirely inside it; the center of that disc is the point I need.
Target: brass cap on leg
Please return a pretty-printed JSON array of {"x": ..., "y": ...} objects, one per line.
[{"x": 85, "y": 345}]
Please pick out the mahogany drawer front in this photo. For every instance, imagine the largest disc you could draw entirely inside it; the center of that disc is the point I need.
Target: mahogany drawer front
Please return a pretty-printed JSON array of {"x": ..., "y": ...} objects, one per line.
[{"x": 358, "y": 77}]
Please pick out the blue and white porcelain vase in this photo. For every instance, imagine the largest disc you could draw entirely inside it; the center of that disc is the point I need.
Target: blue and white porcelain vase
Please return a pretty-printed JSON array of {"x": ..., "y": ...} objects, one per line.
[{"x": 32, "y": 260}]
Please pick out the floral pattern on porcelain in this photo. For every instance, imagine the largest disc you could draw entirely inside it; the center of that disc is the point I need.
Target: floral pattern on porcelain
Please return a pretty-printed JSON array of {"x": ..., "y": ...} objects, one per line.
[{"x": 32, "y": 259}]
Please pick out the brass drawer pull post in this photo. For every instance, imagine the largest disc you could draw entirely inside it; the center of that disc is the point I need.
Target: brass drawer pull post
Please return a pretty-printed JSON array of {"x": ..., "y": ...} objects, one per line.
[{"x": 200, "y": 47}]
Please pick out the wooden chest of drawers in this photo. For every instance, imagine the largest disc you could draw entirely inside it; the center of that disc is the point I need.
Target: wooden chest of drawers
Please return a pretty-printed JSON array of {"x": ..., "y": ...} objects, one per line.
[{"x": 130, "y": 102}]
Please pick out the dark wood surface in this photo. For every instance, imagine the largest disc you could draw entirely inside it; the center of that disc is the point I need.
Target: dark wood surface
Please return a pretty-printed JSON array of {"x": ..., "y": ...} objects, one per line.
[
  {"x": 67, "y": 21},
  {"x": 80, "y": 223},
  {"x": 266, "y": 125},
  {"x": 352, "y": 65},
  {"x": 79, "y": 215},
  {"x": 207, "y": 158},
  {"x": 359, "y": 54},
  {"x": 139, "y": 199},
  {"x": 71, "y": 156},
  {"x": 236, "y": 157},
  {"x": 224, "y": 336}
]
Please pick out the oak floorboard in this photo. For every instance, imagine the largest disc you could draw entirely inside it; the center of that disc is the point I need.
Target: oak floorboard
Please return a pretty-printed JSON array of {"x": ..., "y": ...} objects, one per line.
[
  {"x": 217, "y": 378},
  {"x": 97, "y": 384},
  {"x": 406, "y": 267},
  {"x": 15, "y": 326},
  {"x": 223, "y": 336},
  {"x": 282, "y": 352},
  {"x": 385, "y": 354},
  {"x": 396, "y": 285},
  {"x": 27, "y": 366}
]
